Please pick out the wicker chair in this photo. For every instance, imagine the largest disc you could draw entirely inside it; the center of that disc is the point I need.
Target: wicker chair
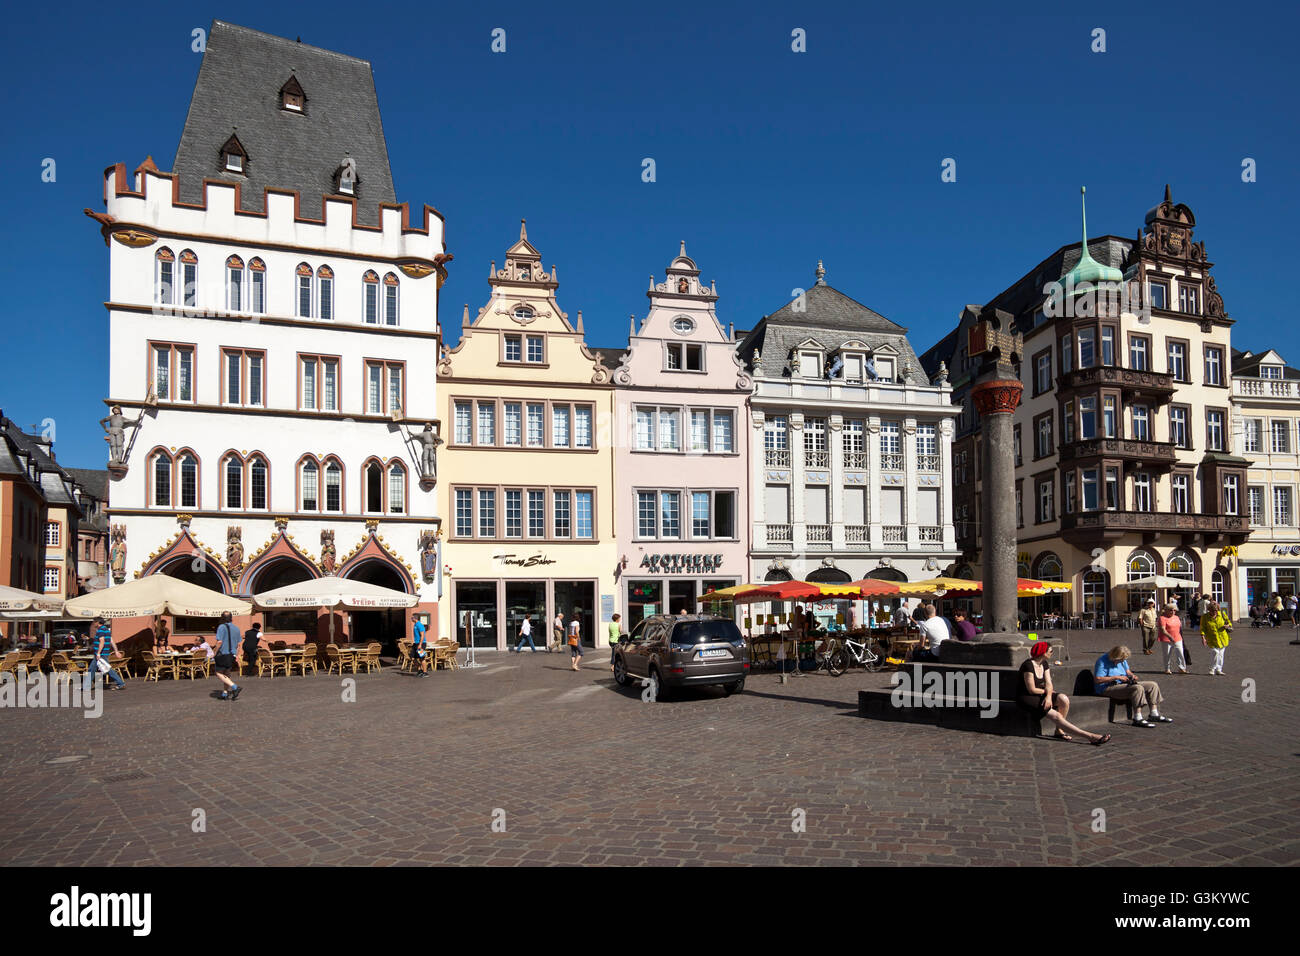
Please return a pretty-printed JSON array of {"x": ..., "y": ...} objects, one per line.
[
  {"x": 154, "y": 666},
  {"x": 270, "y": 663},
  {"x": 334, "y": 659},
  {"x": 369, "y": 658},
  {"x": 404, "y": 654},
  {"x": 195, "y": 662},
  {"x": 13, "y": 660},
  {"x": 63, "y": 666},
  {"x": 306, "y": 661},
  {"x": 38, "y": 660},
  {"x": 444, "y": 655},
  {"x": 121, "y": 664}
]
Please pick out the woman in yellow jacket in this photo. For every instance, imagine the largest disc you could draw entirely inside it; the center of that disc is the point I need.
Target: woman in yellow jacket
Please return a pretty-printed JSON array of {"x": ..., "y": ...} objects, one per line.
[{"x": 1216, "y": 631}]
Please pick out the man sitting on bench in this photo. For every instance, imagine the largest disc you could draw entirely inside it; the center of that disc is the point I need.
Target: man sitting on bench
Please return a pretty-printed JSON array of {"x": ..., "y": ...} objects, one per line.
[{"x": 1111, "y": 677}]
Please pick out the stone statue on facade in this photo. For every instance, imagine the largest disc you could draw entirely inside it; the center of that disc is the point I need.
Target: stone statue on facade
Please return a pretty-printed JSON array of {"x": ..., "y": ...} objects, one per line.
[
  {"x": 117, "y": 553},
  {"x": 429, "y": 555},
  {"x": 116, "y": 425},
  {"x": 428, "y": 440},
  {"x": 328, "y": 556},
  {"x": 234, "y": 549}
]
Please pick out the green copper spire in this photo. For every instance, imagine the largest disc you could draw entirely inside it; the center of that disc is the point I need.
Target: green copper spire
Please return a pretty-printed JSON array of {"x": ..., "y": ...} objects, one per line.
[{"x": 1089, "y": 270}]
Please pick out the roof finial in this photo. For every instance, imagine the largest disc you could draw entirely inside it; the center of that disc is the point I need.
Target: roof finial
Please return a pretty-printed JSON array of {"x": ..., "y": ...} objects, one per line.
[
  {"x": 631, "y": 325},
  {"x": 652, "y": 283},
  {"x": 821, "y": 273},
  {"x": 1168, "y": 198},
  {"x": 464, "y": 318},
  {"x": 683, "y": 252},
  {"x": 579, "y": 321},
  {"x": 492, "y": 272},
  {"x": 1083, "y": 201},
  {"x": 555, "y": 275},
  {"x": 523, "y": 229}
]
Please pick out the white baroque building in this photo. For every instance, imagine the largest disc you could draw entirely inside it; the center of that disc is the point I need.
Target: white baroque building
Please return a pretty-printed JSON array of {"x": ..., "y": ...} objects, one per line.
[
  {"x": 273, "y": 317},
  {"x": 850, "y": 474}
]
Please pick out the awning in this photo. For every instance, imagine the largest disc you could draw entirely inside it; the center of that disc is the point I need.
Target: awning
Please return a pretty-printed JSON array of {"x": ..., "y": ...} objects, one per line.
[
  {"x": 155, "y": 594},
  {"x": 333, "y": 591},
  {"x": 16, "y": 599}
]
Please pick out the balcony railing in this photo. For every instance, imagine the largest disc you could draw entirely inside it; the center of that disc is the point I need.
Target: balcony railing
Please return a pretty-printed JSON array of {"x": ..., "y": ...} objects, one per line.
[
  {"x": 931, "y": 535},
  {"x": 1133, "y": 381},
  {"x": 1266, "y": 388},
  {"x": 894, "y": 535},
  {"x": 816, "y": 459},
  {"x": 891, "y": 462},
  {"x": 779, "y": 535},
  {"x": 857, "y": 534},
  {"x": 1151, "y": 453},
  {"x": 1121, "y": 521},
  {"x": 855, "y": 460},
  {"x": 818, "y": 535},
  {"x": 928, "y": 462},
  {"x": 778, "y": 458}
]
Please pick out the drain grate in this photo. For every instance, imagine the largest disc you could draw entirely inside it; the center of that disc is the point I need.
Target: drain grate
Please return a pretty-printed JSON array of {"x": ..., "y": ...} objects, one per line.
[{"x": 124, "y": 777}]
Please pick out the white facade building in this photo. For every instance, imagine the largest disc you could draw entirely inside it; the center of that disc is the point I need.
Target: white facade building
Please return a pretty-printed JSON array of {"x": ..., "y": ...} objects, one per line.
[
  {"x": 850, "y": 474},
  {"x": 273, "y": 312}
]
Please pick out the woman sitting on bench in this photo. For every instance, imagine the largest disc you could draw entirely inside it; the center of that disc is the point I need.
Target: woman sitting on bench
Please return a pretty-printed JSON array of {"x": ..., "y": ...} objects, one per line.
[{"x": 1038, "y": 699}]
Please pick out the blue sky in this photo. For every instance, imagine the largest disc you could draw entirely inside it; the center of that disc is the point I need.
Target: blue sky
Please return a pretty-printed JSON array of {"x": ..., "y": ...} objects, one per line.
[{"x": 766, "y": 159}]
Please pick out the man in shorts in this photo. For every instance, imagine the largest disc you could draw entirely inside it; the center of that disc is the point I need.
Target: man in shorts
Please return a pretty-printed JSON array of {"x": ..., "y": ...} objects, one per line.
[
  {"x": 228, "y": 637},
  {"x": 419, "y": 649}
]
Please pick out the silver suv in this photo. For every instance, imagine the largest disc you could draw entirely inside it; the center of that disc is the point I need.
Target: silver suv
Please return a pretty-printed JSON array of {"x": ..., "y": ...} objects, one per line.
[{"x": 671, "y": 651}]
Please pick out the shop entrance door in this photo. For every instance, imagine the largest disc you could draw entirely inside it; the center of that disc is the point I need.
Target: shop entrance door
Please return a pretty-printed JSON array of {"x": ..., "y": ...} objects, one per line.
[
  {"x": 526, "y": 597},
  {"x": 644, "y": 598},
  {"x": 578, "y": 597},
  {"x": 681, "y": 597},
  {"x": 476, "y": 614}
]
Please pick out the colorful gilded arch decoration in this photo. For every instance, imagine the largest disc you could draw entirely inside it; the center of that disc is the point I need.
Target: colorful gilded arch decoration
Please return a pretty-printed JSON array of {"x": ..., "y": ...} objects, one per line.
[
  {"x": 165, "y": 255},
  {"x": 185, "y": 547},
  {"x": 189, "y": 258},
  {"x": 304, "y": 269},
  {"x": 256, "y": 265},
  {"x": 234, "y": 262}
]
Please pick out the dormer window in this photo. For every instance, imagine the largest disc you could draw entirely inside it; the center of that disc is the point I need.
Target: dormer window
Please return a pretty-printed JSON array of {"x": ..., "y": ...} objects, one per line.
[
  {"x": 345, "y": 177},
  {"x": 233, "y": 156},
  {"x": 292, "y": 97},
  {"x": 810, "y": 364},
  {"x": 1270, "y": 371}
]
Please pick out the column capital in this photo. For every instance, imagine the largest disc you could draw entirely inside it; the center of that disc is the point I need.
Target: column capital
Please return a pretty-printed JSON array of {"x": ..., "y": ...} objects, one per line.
[{"x": 995, "y": 397}]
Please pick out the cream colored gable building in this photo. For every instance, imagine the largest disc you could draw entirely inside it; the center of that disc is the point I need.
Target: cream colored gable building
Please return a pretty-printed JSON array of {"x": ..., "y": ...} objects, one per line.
[
  {"x": 1266, "y": 410},
  {"x": 527, "y": 474}
]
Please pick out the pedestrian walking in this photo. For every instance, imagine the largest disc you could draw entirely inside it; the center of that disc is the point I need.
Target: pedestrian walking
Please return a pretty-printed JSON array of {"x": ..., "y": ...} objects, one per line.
[
  {"x": 1275, "y": 609},
  {"x": 526, "y": 634},
  {"x": 101, "y": 646},
  {"x": 575, "y": 639},
  {"x": 1147, "y": 621},
  {"x": 615, "y": 632},
  {"x": 1113, "y": 678},
  {"x": 1170, "y": 629},
  {"x": 1293, "y": 608},
  {"x": 557, "y": 632},
  {"x": 1216, "y": 631},
  {"x": 419, "y": 649},
  {"x": 227, "y": 644},
  {"x": 252, "y": 641}
]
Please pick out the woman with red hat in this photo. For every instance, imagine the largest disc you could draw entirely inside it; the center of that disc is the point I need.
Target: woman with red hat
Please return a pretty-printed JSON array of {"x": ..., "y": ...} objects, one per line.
[{"x": 1039, "y": 699}]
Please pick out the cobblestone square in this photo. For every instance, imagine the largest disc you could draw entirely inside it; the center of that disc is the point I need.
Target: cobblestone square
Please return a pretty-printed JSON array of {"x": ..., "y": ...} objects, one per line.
[{"x": 581, "y": 772}]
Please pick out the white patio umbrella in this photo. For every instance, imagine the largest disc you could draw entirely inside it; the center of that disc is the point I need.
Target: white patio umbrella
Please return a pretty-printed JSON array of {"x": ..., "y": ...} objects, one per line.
[
  {"x": 1159, "y": 581},
  {"x": 333, "y": 591},
  {"x": 15, "y": 599},
  {"x": 152, "y": 595}
]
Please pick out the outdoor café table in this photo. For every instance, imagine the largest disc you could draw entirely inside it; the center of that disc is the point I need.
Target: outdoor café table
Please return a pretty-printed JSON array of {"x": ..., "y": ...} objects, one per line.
[{"x": 288, "y": 653}]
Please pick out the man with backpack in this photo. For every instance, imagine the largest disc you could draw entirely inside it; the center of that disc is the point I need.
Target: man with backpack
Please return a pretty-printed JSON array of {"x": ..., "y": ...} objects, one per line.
[{"x": 228, "y": 638}]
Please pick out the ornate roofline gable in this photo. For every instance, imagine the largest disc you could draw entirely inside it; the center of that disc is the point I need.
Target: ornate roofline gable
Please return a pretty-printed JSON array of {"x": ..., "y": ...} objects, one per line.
[
  {"x": 185, "y": 545},
  {"x": 1168, "y": 234},
  {"x": 279, "y": 545},
  {"x": 523, "y": 266},
  {"x": 372, "y": 547}
]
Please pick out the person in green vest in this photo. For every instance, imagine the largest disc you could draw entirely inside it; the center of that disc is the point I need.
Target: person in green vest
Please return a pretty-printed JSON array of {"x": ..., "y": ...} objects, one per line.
[{"x": 615, "y": 631}]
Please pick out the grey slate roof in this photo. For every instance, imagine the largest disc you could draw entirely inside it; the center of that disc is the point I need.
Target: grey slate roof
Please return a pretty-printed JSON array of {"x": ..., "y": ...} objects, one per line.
[
  {"x": 93, "y": 480},
  {"x": 1246, "y": 364},
  {"x": 831, "y": 318},
  {"x": 238, "y": 91}
]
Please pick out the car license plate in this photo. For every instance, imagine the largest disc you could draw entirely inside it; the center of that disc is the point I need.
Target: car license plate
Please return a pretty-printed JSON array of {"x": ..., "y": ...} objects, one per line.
[{"x": 720, "y": 652}]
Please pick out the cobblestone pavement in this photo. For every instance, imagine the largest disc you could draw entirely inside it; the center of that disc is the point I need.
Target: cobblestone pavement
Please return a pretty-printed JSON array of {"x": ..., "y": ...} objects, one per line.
[{"x": 586, "y": 773}]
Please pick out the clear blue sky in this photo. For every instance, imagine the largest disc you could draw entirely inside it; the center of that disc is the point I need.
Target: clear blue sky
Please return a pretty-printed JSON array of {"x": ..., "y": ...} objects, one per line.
[{"x": 766, "y": 159}]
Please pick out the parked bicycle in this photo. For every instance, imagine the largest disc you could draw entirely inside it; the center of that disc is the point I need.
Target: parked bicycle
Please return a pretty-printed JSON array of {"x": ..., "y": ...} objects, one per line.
[{"x": 852, "y": 653}]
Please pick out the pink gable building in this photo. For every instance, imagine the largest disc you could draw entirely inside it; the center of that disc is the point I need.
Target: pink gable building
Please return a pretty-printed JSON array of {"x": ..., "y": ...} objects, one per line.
[{"x": 682, "y": 453}]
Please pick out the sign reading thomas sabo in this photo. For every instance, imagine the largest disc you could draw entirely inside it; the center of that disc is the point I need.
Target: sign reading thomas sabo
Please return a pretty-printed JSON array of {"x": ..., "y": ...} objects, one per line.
[{"x": 680, "y": 563}]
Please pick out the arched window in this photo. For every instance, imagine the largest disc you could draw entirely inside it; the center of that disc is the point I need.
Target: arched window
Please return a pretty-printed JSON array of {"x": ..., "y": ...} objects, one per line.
[
  {"x": 189, "y": 278},
  {"x": 162, "y": 480},
  {"x": 374, "y": 487},
  {"x": 390, "y": 299},
  {"x": 257, "y": 286},
  {"x": 524, "y": 313},
  {"x": 258, "y": 484},
  {"x": 187, "y": 473},
  {"x": 234, "y": 284},
  {"x": 333, "y": 485},
  {"x": 233, "y": 472},
  {"x": 1218, "y": 592},
  {"x": 396, "y": 489},
  {"x": 309, "y": 486},
  {"x": 1180, "y": 564},
  {"x": 304, "y": 290},
  {"x": 1049, "y": 567},
  {"x": 164, "y": 276},
  {"x": 1140, "y": 565},
  {"x": 325, "y": 292},
  {"x": 370, "y": 296}
]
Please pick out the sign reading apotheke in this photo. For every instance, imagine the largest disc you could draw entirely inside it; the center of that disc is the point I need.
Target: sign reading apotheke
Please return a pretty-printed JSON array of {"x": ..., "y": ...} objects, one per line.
[{"x": 680, "y": 563}]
